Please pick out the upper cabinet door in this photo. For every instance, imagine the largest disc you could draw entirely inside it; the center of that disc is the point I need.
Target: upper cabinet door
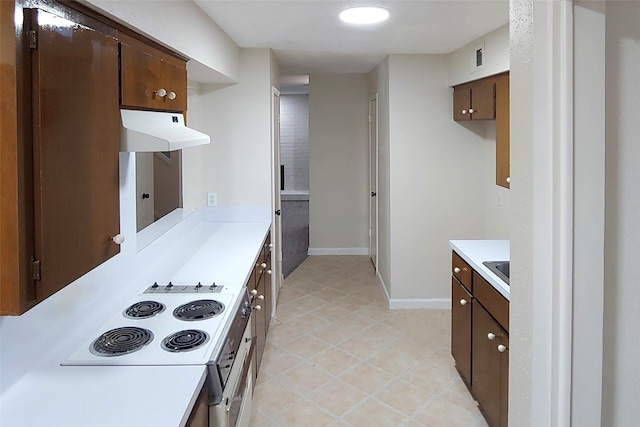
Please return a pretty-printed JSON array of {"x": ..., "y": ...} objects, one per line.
[
  {"x": 475, "y": 100},
  {"x": 76, "y": 131},
  {"x": 151, "y": 79}
]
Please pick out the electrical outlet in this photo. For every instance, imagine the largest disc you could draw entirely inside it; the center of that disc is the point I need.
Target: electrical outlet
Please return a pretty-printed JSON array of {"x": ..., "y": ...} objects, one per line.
[{"x": 212, "y": 199}]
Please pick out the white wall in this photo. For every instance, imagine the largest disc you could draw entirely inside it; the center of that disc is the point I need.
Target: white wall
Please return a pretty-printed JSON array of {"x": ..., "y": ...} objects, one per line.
[
  {"x": 338, "y": 171},
  {"x": 621, "y": 369},
  {"x": 236, "y": 165},
  {"x": 439, "y": 173},
  {"x": 184, "y": 27},
  {"x": 496, "y": 57},
  {"x": 294, "y": 140}
]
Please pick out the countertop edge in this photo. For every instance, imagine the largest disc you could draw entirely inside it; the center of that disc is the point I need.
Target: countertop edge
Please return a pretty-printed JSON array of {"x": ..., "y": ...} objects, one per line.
[{"x": 475, "y": 252}]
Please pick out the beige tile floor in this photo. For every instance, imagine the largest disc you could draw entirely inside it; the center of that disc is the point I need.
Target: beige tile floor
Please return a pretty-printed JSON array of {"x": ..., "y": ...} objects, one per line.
[{"x": 338, "y": 357}]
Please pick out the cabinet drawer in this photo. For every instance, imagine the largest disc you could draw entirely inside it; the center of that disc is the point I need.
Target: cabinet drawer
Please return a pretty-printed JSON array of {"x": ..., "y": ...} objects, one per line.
[
  {"x": 491, "y": 299},
  {"x": 461, "y": 271}
]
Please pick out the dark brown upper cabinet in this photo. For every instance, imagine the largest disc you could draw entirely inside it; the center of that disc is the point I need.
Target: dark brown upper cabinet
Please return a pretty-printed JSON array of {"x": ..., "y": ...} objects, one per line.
[
  {"x": 150, "y": 78},
  {"x": 475, "y": 100},
  {"x": 62, "y": 186}
]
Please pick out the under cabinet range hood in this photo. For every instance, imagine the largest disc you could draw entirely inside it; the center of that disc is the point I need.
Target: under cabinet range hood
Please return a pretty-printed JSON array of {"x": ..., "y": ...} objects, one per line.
[{"x": 154, "y": 131}]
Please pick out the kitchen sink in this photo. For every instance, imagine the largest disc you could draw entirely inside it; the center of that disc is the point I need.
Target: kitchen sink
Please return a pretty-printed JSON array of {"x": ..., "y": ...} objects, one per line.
[{"x": 500, "y": 268}]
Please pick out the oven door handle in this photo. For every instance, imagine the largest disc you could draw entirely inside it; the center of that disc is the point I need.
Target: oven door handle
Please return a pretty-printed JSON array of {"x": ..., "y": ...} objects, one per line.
[{"x": 245, "y": 368}]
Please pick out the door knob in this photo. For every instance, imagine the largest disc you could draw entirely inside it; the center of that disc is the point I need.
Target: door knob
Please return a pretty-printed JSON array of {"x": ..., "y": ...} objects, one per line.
[
  {"x": 373, "y": 194},
  {"x": 278, "y": 212},
  {"x": 145, "y": 195}
]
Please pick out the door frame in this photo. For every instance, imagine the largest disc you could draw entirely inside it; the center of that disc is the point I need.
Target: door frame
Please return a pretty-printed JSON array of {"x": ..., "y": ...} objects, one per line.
[
  {"x": 373, "y": 182},
  {"x": 276, "y": 202}
]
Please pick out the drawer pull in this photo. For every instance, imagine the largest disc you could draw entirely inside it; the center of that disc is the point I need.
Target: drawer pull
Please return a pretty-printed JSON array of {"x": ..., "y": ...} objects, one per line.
[
  {"x": 502, "y": 348},
  {"x": 254, "y": 292},
  {"x": 471, "y": 111},
  {"x": 263, "y": 265},
  {"x": 491, "y": 336},
  {"x": 463, "y": 301},
  {"x": 457, "y": 270}
]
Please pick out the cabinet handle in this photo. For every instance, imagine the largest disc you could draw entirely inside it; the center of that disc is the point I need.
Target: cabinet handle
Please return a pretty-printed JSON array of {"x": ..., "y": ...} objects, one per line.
[
  {"x": 254, "y": 292},
  {"x": 471, "y": 111},
  {"x": 463, "y": 301},
  {"x": 464, "y": 111},
  {"x": 502, "y": 348},
  {"x": 171, "y": 95},
  {"x": 161, "y": 92},
  {"x": 260, "y": 297},
  {"x": 118, "y": 239},
  {"x": 269, "y": 271},
  {"x": 456, "y": 270},
  {"x": 508, "y": 179},
  {"x": 491, "y": 336},
  {"x": 263, "y": 265},
  {"x": 270, "y": 245},
  {"x": 257, "y": 308}
]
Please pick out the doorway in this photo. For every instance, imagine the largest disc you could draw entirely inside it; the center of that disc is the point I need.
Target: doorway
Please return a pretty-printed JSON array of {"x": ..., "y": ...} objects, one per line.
[{"x": 294, "y": 169}]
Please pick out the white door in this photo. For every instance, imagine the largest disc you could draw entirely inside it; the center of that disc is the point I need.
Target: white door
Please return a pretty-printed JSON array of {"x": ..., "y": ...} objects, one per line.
[
  {"x": 373, "y": 180},
  {"x": 276, "y": 238}
]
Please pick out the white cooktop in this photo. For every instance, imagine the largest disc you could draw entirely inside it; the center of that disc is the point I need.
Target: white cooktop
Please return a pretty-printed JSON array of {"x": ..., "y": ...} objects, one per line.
[{"x": 163, "y": 325}]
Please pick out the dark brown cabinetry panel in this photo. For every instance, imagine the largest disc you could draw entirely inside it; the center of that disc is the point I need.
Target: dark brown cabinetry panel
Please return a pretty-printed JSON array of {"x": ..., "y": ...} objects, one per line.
[
  {"x": 488, "y": 99},
  {"x": 145, "y": 71},
  {"x": 60, "y": 144},
  {"x": 480, "y": 341},
  {"x": 503, "y": 168},
  {"x": 261, "y": 296},
  {"x": 461, "y": 329},
  {"x": 475, "y": 100},
  {"x": 490, "y": 365},
  {"x": 461, "y": 271},
  {"x": 75, "y": 149}
]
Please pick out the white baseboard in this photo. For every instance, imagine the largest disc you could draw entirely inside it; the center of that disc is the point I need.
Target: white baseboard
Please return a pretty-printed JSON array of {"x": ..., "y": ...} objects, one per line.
[
  {"x": 433, "y": 303},
  {"x": 338, "y": 251}
]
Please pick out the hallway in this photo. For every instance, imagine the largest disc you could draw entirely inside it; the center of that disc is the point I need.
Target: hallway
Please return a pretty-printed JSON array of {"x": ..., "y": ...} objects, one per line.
[{"x": 338, "y": 357}]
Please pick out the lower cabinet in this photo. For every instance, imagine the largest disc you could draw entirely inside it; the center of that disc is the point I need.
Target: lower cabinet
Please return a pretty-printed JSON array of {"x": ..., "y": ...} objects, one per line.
[
  {"x": 259, "y": 287},
  {"x": 490, "y": 361},
  {"x": 461, "y": 329},
  {"x": 480, "y": 342}
]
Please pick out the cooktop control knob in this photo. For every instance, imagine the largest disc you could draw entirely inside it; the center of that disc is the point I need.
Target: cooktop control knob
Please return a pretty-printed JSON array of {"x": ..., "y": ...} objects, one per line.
[
  {"x": 169, "y": 286},
  {"x": 155, "y": 285},
  {"x": 212, "y": 287},
  {"x": 199, "y": 285}
]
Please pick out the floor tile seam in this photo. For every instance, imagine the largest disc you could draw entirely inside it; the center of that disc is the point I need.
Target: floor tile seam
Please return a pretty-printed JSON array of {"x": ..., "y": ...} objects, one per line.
[
  {"x": 319, "y": 407},
  {"x": 431, "y": 397},
  {"x": 377, "y": 401}
]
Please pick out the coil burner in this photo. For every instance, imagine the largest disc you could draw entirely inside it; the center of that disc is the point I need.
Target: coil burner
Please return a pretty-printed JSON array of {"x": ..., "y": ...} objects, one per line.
[{"x": 198, "y": 310}]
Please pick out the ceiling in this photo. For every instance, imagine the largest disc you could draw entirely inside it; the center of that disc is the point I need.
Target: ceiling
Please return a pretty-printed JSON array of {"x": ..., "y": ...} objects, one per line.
[{"x": 307, "y": 36}]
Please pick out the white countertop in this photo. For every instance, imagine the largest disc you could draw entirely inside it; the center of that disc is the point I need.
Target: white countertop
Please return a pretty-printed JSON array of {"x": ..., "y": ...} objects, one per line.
[
  {"x": 475, "y": 252},
  {"x": 210, "y": 244}
]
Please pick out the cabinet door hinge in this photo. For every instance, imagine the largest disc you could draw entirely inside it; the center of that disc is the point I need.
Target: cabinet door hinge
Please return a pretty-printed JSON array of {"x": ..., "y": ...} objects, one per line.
[
  {"x": 32, "y": 39},
  {"x": 35, "y": 269}
]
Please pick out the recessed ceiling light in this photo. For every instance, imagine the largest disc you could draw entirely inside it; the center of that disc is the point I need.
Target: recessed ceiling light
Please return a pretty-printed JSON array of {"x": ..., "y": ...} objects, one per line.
[{"x": 364, "y": 15}]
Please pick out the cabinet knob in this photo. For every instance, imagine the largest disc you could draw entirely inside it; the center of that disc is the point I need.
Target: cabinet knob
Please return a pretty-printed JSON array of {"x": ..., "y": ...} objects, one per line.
[
  {"x": 254, "y": 292},
  {"x": 491, "y": 336},
  {"x": 171, "y": 95},
  {"x": 508, "y": 179},
  {"x": 471, "y": 111},
  {"x": 118, "y": 239},
  {"x": 502, "y": 348},
  {"x": 260, "y": 297},
  {"x": 161, "y": 92},
  {"x": 464, "y": 111},
  {"x": 263, "y": 265},
  {"x": 270, "y": 245},
  {"x": 257, "y": 308},
  {"x": 456, "y": 270},
  {"x": 269, "y": 271},
  {"x": 463, "y": 301}
]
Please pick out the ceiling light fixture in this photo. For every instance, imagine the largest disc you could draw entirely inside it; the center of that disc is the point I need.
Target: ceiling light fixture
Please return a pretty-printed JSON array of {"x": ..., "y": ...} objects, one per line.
[{"x": 364, "y": 15}]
